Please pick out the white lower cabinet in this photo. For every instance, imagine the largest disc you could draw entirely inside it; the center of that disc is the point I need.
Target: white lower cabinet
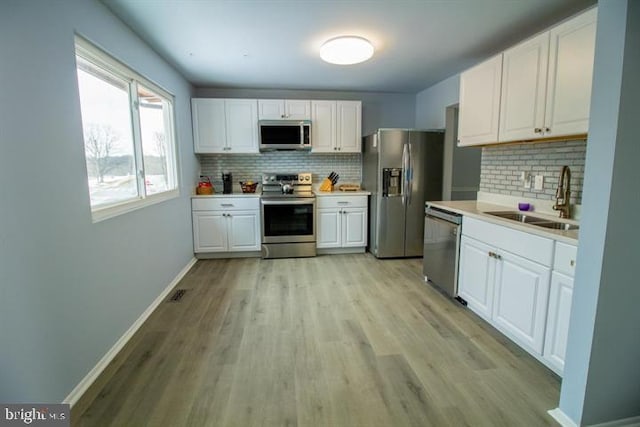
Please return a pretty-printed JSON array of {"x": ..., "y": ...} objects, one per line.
[
  {"x": 560, "y": 297},
  {"x": 342, "y": 222},
  {"x": 559, "y": 312},
  {"x": 504, "y": 277},
  {"x": 226, "y": 225},
  {"x": 520, "y": 300},
  {"x": 476, "y": 276}
]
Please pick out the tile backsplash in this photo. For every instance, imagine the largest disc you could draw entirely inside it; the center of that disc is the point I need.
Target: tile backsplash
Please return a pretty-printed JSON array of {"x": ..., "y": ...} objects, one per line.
[
  {"x": 502, "y": 167},
  {"x": 251, "y": 166}
]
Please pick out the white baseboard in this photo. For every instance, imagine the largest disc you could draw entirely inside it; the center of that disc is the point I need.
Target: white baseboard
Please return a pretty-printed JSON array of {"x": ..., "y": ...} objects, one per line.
[
  {"x": 562, "y": 418},
  {"x": 565, "y": 421},
  {"x": 93, "y": 374}
]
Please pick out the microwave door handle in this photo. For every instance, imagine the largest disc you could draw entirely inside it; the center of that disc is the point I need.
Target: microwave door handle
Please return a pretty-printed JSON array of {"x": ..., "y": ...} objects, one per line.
[{"x": 301, "y": 135}]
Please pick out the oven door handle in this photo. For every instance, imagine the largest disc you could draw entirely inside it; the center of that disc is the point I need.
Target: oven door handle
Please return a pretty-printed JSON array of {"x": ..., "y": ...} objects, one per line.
[{"x": 288, "y": 202}]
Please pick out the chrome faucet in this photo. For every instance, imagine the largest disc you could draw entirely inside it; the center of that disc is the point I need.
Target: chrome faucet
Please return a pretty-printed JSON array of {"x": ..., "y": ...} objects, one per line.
[{"x": 562, "y": 193}]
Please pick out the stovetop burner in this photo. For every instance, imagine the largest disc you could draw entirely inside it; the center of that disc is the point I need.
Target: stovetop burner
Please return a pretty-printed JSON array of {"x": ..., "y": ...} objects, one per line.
[{"x": 287, "y": 185}]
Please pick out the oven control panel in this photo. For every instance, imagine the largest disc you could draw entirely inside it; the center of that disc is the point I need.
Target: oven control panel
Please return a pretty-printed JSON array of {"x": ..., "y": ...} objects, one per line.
[{"x": 294, "y": 178}]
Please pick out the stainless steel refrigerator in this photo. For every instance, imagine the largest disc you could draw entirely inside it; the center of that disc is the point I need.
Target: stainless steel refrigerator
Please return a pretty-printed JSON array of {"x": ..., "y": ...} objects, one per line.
[{"x": 402, "y": 168}]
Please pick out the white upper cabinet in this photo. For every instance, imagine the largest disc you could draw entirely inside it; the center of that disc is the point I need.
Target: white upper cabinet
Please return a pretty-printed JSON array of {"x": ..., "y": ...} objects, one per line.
[
  {"x": 288, "y": 109},
  {"x": 209, "y": 128},
  {"x": 571, "y": 53},
  {"x": 323, "y": 126},
  {"x": 242, "y": 125},
  {"x": 349, "y": 136},
  {"x": 336, "y": 126},
  {"x": 543, "y": 86},
  {"x": 480, "y": 103},
  {"x": 524, "y": 84},
  {"x": 225, "y": 125}
]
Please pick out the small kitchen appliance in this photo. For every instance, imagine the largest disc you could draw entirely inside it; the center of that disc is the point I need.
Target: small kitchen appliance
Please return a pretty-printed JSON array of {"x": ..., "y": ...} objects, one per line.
[{"x": 227, "y": 182}]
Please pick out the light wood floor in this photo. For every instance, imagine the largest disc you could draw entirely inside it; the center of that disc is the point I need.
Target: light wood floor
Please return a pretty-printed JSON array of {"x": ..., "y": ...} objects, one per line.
[{"x": 326, "y": 341}]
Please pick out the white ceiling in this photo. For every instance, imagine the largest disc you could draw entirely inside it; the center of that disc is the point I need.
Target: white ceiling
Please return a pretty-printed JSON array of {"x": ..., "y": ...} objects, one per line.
[{"x": 275, "y": 44}]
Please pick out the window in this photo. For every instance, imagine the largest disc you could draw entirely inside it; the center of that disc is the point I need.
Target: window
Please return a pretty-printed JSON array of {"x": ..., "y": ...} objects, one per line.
[{"x": 128, "y": 130}]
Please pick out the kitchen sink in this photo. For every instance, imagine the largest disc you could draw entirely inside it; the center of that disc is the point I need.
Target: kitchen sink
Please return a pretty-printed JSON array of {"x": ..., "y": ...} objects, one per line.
[
  {"x": 557, "y": 225},
  {"x": 532, "y": 220},
  {"x": 517, "y": 216}
]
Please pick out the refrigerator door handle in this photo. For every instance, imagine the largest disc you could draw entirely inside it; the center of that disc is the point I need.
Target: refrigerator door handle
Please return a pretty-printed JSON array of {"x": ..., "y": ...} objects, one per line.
[
  {"x": 405, "y": 173},
  {"x": 410, "y": 176}
]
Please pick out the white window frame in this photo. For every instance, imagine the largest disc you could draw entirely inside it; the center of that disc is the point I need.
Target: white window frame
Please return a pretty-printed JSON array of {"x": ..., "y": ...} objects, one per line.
[{"x": 93, "y": 54}]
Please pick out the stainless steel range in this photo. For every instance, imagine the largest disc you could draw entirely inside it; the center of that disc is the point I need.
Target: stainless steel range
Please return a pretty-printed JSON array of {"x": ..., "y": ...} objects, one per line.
[{"x": 288, "y": 215}]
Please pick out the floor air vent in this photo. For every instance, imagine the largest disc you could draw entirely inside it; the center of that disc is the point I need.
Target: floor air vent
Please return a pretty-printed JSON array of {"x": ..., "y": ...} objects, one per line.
[{"x": 177, "y": 295}]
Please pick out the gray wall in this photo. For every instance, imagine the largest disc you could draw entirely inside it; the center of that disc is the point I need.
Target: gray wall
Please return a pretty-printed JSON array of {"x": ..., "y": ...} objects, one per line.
[
  {"x": 70, "y": 288},
  {"x": 379, "y": 110},
  {"x": 601, "y": 378},
  {"x": 432, "y": 102}
]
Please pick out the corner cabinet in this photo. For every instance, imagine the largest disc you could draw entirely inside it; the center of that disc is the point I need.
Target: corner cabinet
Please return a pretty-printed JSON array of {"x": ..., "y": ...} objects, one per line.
[
  {"x": 538, "y": 89},
  {"x": 226, "y": 224},
  {"x": 225, "y": 125},
  {"x": 342, "y": 223},
  {"x": 336, "y": 126},
  {"x": 504, "y": 277}
]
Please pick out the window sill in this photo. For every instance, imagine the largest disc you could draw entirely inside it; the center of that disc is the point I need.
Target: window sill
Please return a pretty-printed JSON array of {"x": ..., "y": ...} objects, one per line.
[{"x": 102, "y": 214}]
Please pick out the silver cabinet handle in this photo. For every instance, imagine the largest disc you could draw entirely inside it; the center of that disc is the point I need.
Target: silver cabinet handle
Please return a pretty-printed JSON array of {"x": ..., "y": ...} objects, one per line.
[
  {"x": 227, "y": 204},
  {"x": 343, "y": 203}
]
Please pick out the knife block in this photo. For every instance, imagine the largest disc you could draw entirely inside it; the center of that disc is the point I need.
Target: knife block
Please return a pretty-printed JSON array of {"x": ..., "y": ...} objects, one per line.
[{"x": 326, "y": 185}]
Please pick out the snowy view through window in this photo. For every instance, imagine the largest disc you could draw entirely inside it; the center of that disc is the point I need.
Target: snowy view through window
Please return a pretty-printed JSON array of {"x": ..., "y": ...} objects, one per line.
[{"x": 109, "y": 125}]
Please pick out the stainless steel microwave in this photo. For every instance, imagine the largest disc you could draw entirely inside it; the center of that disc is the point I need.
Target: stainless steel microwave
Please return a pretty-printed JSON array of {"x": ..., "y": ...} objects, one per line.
[{"x": 285, "y": 135}]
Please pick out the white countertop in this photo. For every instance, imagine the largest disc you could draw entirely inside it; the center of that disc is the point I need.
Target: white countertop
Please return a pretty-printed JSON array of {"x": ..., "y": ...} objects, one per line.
[
  {"x": 475, "y": 209},
  {"x": 234, "y": 195},
  {"x": 341, "y": 193}
]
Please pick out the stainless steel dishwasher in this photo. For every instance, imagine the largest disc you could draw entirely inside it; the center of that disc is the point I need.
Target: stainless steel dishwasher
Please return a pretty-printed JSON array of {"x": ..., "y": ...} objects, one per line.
[{"x": 441, "y": 248}]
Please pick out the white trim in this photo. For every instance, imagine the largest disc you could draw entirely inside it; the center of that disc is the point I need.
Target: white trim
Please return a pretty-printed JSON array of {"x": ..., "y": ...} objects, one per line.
[
  {"x": 100, "y": 214},
  {"x": 93, "y": 374},
  {"x": 565, "y": 421},
  {"x": 561, "y": 418}
]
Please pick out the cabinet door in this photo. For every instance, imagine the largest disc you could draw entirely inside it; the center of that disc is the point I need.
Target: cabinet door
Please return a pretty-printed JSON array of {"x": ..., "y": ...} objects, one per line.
[
  {"x": 354, "y": 227},
  {"x": 476, "y": 275},
  {"x": 244, "y": 230},
  {"x": 323, "y": 126},
  {"x": 560, "y": 297},
  {"x": 480, "y": 103},
  {"x": 295, "y": 109},
  {"x": 242, "y": 125},
  {"x": 520, "y": 301},
  {"x": 271, "y": 109},
  {"x": 209, "y": 127},
  {"x": 571, "y": 53},
  {"x": 329, "y": 231},
  {"x": 524, "y": 85},
  {"x": 209, "y": 232},
  {"x": 349, "y": 126}
]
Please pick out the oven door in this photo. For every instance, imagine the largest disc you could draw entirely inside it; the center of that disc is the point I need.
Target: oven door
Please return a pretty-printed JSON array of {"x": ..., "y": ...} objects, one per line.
[{"x": 288, "y": 220}]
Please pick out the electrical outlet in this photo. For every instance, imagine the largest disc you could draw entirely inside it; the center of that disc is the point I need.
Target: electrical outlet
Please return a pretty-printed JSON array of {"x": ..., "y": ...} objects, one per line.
[
  {"x": 526, "y": 179},
  {"x": 539, "y": 182}
]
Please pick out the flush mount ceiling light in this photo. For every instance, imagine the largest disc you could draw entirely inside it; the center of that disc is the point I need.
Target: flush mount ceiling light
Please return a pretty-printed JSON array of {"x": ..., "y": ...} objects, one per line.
[{"x": 346, "y": 50}]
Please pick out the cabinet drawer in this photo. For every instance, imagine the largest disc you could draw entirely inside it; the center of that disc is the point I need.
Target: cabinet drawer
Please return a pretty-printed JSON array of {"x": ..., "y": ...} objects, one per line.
[
  {"x": 564, "y": 260},
  {"x": 341, "y": 202},
  {"x": 225, "y": 203},
  {"x": 530, "y": 246}
]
